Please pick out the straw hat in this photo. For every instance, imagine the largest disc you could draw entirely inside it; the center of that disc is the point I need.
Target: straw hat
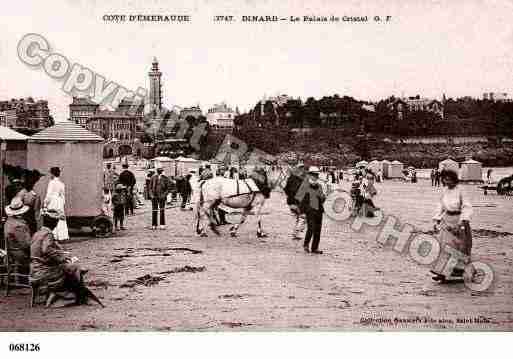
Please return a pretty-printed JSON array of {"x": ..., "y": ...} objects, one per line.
[
  {"x": 314, "y": 170},
  {"x": 16, "y": 207}
]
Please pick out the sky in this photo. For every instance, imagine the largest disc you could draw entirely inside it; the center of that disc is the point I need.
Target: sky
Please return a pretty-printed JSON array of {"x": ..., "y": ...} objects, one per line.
[{"x": 460, "y": 48}]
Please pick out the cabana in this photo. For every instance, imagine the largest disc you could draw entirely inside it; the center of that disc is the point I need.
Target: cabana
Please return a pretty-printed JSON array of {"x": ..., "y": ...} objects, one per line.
[
  {"x": 375, "y": 166},
  {"x": 386, "y": 168},
  {"x": 395, "y": 170},
  {"x": 362, "y": 164},
  {"x": 471, "y": 170},
  {"x": 449, "y": 164},
  {"x": 184, "y": 165},
  {"x": 166, "y": 163},
  {"x": 13, "y": 152},
  {"x": 79, "y": 154}
]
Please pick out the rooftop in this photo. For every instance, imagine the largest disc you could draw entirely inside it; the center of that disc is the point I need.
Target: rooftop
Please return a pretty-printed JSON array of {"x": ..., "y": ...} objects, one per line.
[{"x": 66, "y": 131}]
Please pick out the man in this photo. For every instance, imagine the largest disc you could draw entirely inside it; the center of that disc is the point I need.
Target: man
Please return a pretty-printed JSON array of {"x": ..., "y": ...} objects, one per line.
[
  {"x": 110, "y": 177},
  {"x": 159, "y": 188},
  {"x": 293, "y": 184},
  {"x": 127, "y": 179},
  {"x": 437, "y": 177},
  {"x": 17, "y": 233},
  {"x": 313, "y": 198}
]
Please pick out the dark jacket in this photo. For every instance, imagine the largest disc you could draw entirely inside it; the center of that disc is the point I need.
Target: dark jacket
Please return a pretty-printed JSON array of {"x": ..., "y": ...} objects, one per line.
[
  {"x": 127, "y": 178},
  {"x": 313, "y": 199},
  {"x": 291, "y": 187},
  {"x": 159, "y": 187}
]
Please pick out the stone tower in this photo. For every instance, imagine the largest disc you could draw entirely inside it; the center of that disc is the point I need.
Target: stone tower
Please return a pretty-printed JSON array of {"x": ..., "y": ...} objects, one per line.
[{"x": 155, "y": 75}]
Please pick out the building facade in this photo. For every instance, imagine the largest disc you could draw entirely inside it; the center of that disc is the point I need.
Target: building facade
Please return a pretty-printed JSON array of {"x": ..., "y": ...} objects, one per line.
[
  {"x": 401, "y": 106},
  {"x": 25, "y": 115},
  {"x": 221, "y": 117},
  {"x": 120, "y": 128},
  {"x": 497, "y": 97},
  {"x": 194, "y": 111}
]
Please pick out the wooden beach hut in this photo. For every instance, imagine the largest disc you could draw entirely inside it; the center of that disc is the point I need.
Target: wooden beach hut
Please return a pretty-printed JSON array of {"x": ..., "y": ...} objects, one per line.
[
  {"x": 386, "y": 168},
  {"x": 395, "y": 169},
  {"x": 449, "y": 164},
  {"x": 375, "y": 166},
  {"x": 471, "y": 171},
  {"x": 166, "y": 163},
  {"x": 79, "y": 154},
  {"x": 184, "y": 165},
  {"x": 13, "y": 152}
]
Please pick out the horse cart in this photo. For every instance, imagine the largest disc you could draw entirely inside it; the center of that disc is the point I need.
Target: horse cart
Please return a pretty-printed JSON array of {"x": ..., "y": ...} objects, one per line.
[
  {"x": 78, "y": 153},
  {"x": 504, "y": 187}
]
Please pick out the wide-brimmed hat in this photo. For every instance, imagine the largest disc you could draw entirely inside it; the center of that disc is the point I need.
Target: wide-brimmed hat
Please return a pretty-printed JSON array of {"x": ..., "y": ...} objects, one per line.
[
  {"x": 16, "y": 207},
  {"x": 120, "y": 186},
  {"x": 314, "y": 170}
]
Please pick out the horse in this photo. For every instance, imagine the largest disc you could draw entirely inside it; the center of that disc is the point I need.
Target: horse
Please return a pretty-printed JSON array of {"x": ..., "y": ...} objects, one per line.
[{"x": 251, "y": 194}]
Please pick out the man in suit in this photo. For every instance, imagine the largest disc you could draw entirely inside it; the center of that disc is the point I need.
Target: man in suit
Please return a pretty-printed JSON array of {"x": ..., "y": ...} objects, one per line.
[
  {"x": 127, "y": 179},
  {"x": 159, "y": 188},
  {"x": 312, "y": 196}
]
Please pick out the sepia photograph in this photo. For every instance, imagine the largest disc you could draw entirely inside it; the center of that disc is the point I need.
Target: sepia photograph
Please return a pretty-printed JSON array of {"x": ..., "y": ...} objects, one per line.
[{"x": 255, "y": 166}]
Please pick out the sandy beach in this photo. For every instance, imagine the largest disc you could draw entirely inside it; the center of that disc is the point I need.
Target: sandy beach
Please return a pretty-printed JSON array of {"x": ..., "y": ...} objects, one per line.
[{"x": 222, "y": 283}]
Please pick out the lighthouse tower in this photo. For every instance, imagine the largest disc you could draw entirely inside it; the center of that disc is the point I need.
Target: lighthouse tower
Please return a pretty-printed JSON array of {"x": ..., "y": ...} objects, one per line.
[{"x": 155, "y": 100}]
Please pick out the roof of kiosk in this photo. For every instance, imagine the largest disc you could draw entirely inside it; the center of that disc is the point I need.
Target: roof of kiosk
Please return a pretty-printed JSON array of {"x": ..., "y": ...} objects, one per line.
[{"x": 66, "y": 131}]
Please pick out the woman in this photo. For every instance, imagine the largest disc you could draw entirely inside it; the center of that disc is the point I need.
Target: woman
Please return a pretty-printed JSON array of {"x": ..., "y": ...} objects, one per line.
[
  {"x": 453, "y": 218},
  {"x": 52, "y": 266},
  {"x": 17, "y": 234},
  {"x": 55, "y": 200},
  {"x": 32, "y": 200},
  {"x": 368, "y": 191}
]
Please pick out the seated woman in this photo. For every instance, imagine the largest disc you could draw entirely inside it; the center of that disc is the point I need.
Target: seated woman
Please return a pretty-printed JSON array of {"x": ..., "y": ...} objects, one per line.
[
  {"x": 17, "y": 234},
  {"x": 53, "y": 267}
]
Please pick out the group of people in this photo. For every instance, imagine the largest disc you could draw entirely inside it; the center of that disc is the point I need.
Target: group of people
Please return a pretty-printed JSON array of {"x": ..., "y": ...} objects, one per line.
[
  {"x": 435, "y": 176},
  {"x": 362, "y": 193},
  {"x": 33, "y": 230},
  {"x": 120, "y": 194}
]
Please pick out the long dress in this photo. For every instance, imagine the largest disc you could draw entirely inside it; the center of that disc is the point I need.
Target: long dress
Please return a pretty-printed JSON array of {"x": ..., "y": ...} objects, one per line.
[
  {"x": 454, "y": 211},
  {"x": 56, "y": 199},
  {"x": 49, "y": 263}
]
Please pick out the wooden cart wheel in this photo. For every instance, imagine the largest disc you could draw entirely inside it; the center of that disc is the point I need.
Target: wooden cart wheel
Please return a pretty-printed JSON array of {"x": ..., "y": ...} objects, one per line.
[{"x": 102, "y": 226}]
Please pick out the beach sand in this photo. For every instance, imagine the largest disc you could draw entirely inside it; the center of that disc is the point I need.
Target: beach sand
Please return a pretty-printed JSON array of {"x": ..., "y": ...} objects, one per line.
[{"x": 271, "y": 284}]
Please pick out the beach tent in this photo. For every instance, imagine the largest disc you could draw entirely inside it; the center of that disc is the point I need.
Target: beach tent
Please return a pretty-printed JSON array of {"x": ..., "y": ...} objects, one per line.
[
  {"x": 13, "y": 153},
  {"x": 79, "y": 154},
  {"x": 395, "y": 170},
  {"x": 386, "y": 168},
  {"x": 167, "y": 163},
  {"x": 375, "y": 166},
  {"x": 471, "y": 170},
  {"x": 362, "y": 164},
  {"x": 449, "y": 164},
  {"x": 184, "y": 165}
]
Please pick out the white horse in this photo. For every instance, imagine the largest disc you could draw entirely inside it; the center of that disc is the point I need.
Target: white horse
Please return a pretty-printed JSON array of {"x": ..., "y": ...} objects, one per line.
[{"x": 248, "y": 195}]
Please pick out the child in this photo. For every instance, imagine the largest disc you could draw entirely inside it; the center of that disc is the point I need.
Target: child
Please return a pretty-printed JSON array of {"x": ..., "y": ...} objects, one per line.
[
  {"x": 357, "y": 198},
  {"x": 118, "y": 204},
  {"x": 107, "y": 205}
]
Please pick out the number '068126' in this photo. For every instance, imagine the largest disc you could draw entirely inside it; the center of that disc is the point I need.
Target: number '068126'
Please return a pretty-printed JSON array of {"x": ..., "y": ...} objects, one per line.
[{"x": 24, "y": 347}]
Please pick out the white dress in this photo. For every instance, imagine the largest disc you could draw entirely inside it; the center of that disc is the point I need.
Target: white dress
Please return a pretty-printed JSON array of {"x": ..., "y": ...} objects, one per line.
[{"x": 55, "y": 199}]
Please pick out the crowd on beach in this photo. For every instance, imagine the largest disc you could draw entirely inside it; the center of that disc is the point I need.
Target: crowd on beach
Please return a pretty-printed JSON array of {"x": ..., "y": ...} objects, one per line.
[{"x": 34, "y": 227}]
